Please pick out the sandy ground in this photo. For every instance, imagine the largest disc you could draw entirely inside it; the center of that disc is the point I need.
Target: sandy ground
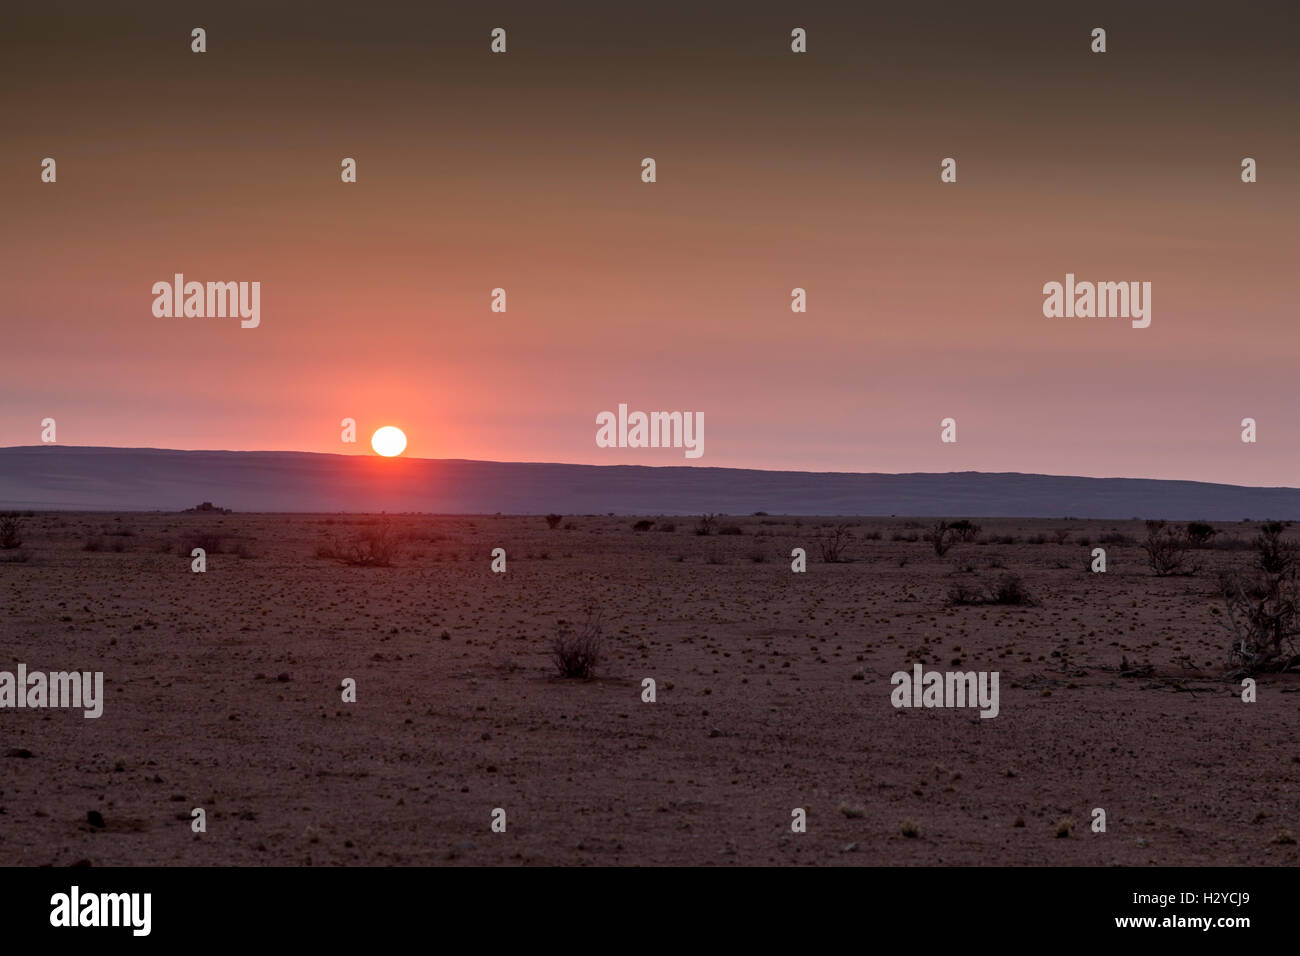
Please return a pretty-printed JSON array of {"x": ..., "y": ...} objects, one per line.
[{"x": 223, "y": 692}]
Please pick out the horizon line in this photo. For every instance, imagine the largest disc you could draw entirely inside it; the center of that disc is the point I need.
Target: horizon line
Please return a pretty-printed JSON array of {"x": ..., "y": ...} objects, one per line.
[{"x": 566, "y": 464}]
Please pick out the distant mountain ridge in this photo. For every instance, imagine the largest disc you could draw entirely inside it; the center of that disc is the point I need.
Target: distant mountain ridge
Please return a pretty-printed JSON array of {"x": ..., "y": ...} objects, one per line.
[{"x": 70, "y": 478}]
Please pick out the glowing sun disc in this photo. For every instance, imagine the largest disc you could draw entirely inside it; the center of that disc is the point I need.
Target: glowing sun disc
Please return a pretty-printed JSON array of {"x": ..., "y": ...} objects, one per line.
[{"x": 388, "y": 441}]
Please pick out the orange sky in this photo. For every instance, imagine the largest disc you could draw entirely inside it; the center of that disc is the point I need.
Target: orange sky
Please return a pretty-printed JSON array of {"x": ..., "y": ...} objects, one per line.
[{"x": 775, "y": 171}]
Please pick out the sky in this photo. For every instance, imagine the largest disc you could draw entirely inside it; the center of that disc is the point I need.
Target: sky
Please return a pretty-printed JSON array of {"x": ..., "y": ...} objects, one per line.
[{"x": 775, "y": 170}]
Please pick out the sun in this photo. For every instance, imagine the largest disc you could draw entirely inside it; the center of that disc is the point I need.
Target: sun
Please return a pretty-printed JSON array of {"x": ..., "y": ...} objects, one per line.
[{"x": 388, "y": 441}]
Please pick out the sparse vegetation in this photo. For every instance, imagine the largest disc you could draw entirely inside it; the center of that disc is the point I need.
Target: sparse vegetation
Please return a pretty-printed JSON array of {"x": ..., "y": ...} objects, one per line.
[
  {"x": 706, "y": 524},
  {"x": 1263, "y": 606},
  {"x": 823, "y": 639},
  {"x": 1166, "y": 548},
  {"x": 11, "y": 531},
  {"x": 942, "y": 536},
  {"x": 577, "y": 650},
  {"x": 1199, "y": 533},
  {"x": 834, "y": 544},
  {"x": 1008, "y": 589},
  {"x": 964, "y": 595},
  {"x": 374, "y": 546}
]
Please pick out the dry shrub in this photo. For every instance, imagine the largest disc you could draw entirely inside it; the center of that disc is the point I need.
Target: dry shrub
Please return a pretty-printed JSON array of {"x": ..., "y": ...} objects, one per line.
[
  {"x": 11, "y": 531},
  {"x": 834, "y": 545},
  {"x": 374, "y": 546},
  {"x": 1263, "y": 607},
  {"x": 1167, "y": 550},
  {"x": 965, "y": 595},
  {"x": 942, "y": 536},
  {"x": 578, "y": 650},
  {"x": 965, "y": 530},
  {"x": 1008, "y": 589}
]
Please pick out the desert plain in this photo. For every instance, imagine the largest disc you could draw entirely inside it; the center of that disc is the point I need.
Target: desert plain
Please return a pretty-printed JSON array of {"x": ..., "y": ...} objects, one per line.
[{"x": 224, "y": 691}]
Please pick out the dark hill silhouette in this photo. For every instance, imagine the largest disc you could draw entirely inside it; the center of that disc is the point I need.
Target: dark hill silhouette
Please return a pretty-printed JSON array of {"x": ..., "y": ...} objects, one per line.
[{"x": 54, "y": 477}]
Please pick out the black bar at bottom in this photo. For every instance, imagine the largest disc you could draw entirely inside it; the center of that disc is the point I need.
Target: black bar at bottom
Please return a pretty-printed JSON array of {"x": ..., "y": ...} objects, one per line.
[{"x": 334, "y": 906}]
